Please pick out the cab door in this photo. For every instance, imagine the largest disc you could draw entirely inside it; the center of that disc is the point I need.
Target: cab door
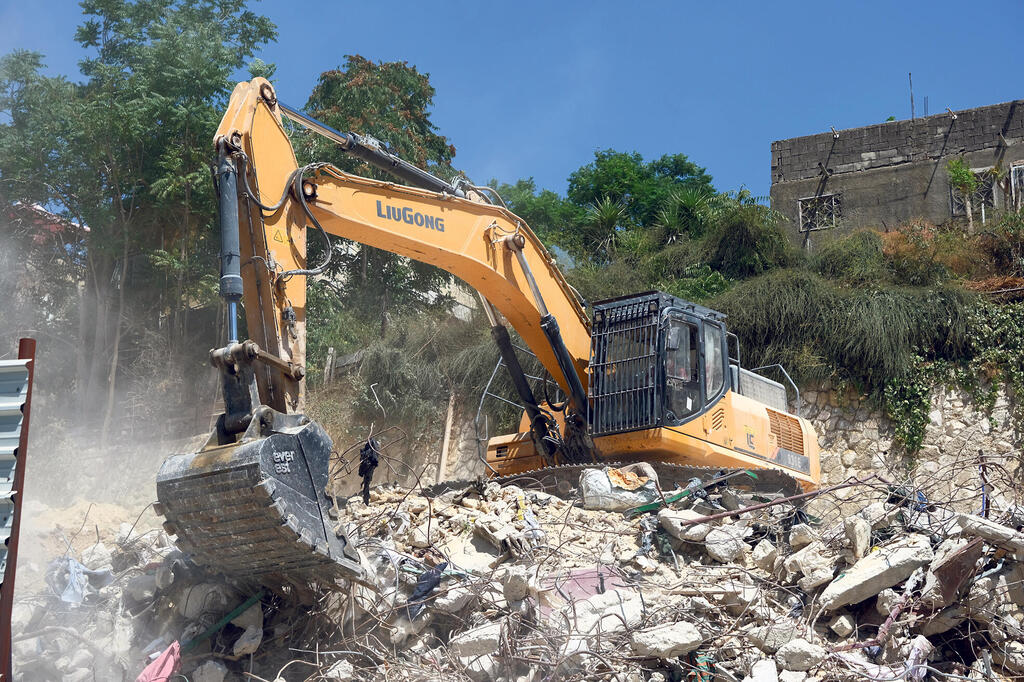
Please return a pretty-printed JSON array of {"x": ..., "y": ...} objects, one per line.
[
  {"x": 695, "y": 371},
  {"x": 684, "y": 391}
]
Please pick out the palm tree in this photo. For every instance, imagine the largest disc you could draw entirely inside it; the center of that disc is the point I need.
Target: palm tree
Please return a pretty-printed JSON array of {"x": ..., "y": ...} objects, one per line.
[
  {"x": 606, "y": 217},
  {"x": 687, "y": 211}
]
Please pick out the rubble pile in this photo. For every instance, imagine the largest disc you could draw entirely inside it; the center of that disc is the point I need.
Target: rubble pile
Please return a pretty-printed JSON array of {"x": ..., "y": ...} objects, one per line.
[{"x": 614, "y": 578}]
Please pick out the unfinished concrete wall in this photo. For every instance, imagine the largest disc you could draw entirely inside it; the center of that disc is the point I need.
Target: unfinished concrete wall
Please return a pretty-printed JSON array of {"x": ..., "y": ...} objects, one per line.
[{"x": 891, "y": 172}]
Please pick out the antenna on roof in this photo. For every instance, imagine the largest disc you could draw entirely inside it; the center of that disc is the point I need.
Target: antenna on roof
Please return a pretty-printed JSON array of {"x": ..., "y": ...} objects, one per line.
[{"x": 910, "y": 77}]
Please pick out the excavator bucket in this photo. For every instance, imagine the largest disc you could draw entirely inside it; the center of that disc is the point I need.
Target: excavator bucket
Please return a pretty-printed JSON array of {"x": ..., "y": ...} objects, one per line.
[{"x": 257, "y": 509}]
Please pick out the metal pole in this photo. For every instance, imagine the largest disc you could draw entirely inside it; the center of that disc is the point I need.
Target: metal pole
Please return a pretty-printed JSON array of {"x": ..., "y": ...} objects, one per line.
[{"x": 26, "y": 351}]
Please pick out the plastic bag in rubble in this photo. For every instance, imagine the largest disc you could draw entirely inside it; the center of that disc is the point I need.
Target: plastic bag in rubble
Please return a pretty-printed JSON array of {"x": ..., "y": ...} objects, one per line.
[
  {"x": 617, "y": 489},
  {"x": 532, "y": 531},
  {"x": 73, "y": 581}
]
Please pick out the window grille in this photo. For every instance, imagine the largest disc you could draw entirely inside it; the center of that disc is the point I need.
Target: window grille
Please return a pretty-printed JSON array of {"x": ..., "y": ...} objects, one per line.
[
  {"x": 820, "y": 212},
  {"x": 981, "y": 200},
  {"x": 1017, "y": 186},
  {"x": 624, "y": 366}
]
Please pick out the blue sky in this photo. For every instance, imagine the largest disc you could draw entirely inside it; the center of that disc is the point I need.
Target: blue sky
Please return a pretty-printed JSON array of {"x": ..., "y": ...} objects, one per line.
[{"x": 534, "y": 88}]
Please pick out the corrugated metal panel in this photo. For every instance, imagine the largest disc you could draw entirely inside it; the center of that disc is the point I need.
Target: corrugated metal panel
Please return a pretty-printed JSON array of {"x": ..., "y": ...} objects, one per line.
[{"x": 13, "y": 391}]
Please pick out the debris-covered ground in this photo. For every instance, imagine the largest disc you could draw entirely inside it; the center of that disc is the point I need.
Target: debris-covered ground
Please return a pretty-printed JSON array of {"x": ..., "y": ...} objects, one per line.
[{"x": 507, "y": 582}]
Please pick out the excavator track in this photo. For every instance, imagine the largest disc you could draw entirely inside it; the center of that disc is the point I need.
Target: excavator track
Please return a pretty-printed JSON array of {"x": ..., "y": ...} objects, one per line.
[{"x": 563, "y": 478}]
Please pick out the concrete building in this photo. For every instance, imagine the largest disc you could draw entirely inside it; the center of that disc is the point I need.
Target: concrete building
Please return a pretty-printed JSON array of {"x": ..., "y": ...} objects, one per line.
[{"x": 887, "y": 173}]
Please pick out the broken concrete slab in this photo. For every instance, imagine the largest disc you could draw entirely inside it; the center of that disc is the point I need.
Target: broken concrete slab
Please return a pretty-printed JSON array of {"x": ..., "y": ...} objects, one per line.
[
  {"x": 764, "y": 555},
  {"x": 843, "y": 625},
  {"x": 666, "y": 641},
  {"x": 888, "y": 566},
  {"x": 672, "y": 520},
  {"x": 812, "y": 562},
  {"x": 210, "y": 671},
  {"x": 725, "y": 543},
  {"x": 342, "y": 670},
  {"x": 799, "y": 655},
  {"x": 610, "y": 611},
  {"x": 515, "y": 583},
  {"x": 454, "y": 601},
  {"x": 995, "y": 533},
  {"x": 764, "y": 671},
  {"x": 612, "y": 490},
  {"x": 801, "y": 535},
  {"x": 858, "y": 532},
  {"x": 770, "y": 638},
  {"x": 478, "y": 641}
]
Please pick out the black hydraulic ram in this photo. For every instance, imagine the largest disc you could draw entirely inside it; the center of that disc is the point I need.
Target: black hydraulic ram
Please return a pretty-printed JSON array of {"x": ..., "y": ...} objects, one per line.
[
  {"x": 549, "y": 325},
  {"x": 369, "y": 150},
  {"x": 538, "y": 423},
  {"x": 230, "y": 250}
]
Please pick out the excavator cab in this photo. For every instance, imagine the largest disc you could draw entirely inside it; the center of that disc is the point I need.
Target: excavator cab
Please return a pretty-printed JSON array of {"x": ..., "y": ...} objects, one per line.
[
  {"x": 655, "y": 360},
  {"x": 666, "y": 385}
]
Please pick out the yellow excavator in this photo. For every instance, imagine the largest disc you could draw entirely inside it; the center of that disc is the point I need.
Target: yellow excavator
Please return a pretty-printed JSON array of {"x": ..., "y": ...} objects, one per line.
[{"x": 647, "y": 377}]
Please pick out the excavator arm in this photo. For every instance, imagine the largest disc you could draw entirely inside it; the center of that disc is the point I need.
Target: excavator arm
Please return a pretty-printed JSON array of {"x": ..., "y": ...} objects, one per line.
[{"x": 280, "y": 205}]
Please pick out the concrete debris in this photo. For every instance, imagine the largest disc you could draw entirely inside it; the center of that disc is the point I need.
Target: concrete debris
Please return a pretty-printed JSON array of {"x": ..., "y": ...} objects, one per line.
[
  {"x": 858, "y": 532},
  {"x": 672, "y": 520},
  {"x": 526, "y": 585},
  {"x": 843, "y": 625},
  {"x": 801, "y": 535},
  {"x": 764, "y": 555},
  {"x": 770, "y": 638},
  {"x": 764, "y": 670},
  {"x": 814, "y": 563},
  {"x": 995, "y": 533},
  {"x": 888, "y": 566},
  {"x": 725, "y": 543},
  {"x": 342, "y": 670},
  {"x": 211, "y": 671},
  {"x": 479, "y": 641},
  {"x": 799, "y": 655},
  {"x": 792, "y": 676},
  {"x": 666, "y": 641},
  {"x": 614, "y": 490}
]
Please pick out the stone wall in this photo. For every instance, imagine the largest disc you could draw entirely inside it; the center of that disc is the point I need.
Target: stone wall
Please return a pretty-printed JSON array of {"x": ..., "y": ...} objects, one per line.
[
  {"x": 856, "y": 439},
  {"x": 894, "y": 171}
]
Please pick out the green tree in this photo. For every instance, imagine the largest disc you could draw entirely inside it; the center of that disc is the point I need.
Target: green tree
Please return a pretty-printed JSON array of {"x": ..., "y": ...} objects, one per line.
[
  {"x": 686, "y": 213},
  {"x": 549, "y": 215},
  {"x": 391, "y": 102},
  {"x": 126, "y": 152},
  {"x": 643, "y": 187},
  {"x": 965, "y": 183}
]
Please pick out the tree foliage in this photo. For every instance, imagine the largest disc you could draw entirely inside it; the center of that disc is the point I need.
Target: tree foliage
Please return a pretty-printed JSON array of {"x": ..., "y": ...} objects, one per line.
[
  {"x": 389, "y": 101},
  {"x": 126, "y": 152}
]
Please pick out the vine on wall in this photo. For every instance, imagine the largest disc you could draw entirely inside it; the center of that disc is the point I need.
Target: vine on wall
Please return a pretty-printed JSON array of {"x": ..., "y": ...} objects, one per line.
[{"x": 994, "y": 359}]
